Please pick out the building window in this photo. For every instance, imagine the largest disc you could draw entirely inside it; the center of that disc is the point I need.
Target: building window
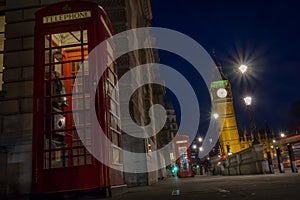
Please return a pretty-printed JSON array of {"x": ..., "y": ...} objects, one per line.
[{"x": 2, "y": 27}]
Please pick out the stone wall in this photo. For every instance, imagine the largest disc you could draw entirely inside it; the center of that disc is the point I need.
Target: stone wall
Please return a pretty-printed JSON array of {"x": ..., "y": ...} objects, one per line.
[
  {"x": 16, "y": 101},
  {"x": 248, "y": 161}
]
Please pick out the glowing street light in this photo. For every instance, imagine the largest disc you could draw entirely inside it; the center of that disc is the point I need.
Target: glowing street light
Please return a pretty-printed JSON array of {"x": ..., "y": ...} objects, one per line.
[
  {"x": 194, "y": 146},
  {"x": 200, "y": 148},
  {"x": 282, "y": 135},
  {"x": 216, "y": 115},
  {"x": 243, "y": 68},
  {"x": 248, "y": 100},
  {"x": 200, "y": 139}
]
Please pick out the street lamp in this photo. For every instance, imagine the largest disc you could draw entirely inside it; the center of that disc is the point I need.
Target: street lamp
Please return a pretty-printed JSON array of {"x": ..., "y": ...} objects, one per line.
[
  {"x": 248, "y": 102},
  {"x": 194, "y": 146},
  {"x": 216, "y": 115},
  {"x": 282, "y": 135},
  {"x": 243, "y": 68},
  {"x": 200, "y": 139}
]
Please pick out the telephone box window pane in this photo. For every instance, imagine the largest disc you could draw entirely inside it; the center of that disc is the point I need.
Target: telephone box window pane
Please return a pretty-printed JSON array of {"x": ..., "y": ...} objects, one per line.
[
  {"x": 47, "y": 57},
  {"x": 112, "y": 76},
  {"x": 114, "y": 108},
  {"x": 1, "y": 81},
  {"x": 1, "y": 62},
  {"x": 47, "y": 158},
  {"x": 114, "y": 94},
  {"x": 114, "y": 122},
  {"x": 116, "y": 158},
  {"x": 85, "y": 38},
  {"x": 64, "y": 56},
  {"x": 2, "y": 23},
  {"x": 2, "y": 38},
  {"x": 47, "y": 41},
  {"x": 115, "y": 138},
  {"x": 60, "y": 159},
  {"x": 1, "y": 41},
  {"x": 1, "y": 71},
  {"x": 89, "y": 159},
  {"x": 67, "y": 38}
]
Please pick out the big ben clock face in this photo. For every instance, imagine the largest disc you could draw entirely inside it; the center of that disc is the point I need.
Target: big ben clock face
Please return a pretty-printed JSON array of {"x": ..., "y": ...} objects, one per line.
[{"x": 222, "y": 92}]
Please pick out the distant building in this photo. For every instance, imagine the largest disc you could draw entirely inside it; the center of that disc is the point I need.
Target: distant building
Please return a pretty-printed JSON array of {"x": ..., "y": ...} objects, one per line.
[{"x": 265, "y": 137}]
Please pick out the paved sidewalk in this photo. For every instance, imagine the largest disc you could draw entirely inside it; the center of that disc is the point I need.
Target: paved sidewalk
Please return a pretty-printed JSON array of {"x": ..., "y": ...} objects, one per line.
[{"x": 271, "y": 186}]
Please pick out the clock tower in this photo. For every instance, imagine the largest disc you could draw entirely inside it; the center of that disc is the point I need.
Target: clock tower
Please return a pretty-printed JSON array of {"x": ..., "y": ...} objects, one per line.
[{"x": 222, "y": 101}]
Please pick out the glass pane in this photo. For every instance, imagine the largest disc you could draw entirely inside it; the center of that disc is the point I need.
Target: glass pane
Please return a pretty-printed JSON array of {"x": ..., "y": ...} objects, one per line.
[
  {"x": 89, "y": 159},
  {"x": 1, "y": 41},
  {"x": 2, "y": 29},
  {"x": 1, "y": 81},
  {"x": 64, "y": 54},
  {"x": 59, "y": 158},
  {"x": 111, "y": 76},
  {"x": 114, "y": 122},
  {"x": 85, "y": 37},
  {"x": 116, "y": 158},
  {"x": 47, "y": 41},
  {"x": 69, "y": 38},
  {"x": 115, "y": 138},
  {"x": 1, "y": 62},
  {"x": 2, "y": 23}
]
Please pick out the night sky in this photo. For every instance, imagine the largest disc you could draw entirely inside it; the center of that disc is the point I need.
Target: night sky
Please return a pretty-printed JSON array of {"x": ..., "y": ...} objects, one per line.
[{"x": 262, "y": 34}]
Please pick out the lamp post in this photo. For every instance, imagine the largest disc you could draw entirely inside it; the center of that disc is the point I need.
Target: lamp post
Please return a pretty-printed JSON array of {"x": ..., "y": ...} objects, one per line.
[
  {"x": 248, "y": 102},
  {"x": 197, "y": 148}
]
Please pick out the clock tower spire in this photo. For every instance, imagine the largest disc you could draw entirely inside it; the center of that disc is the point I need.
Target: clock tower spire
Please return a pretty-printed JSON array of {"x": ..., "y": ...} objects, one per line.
[{"x": 218, "y": 65}]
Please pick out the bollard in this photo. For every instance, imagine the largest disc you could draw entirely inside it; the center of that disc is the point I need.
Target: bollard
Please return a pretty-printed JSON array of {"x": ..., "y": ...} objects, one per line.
[
  {"x": 292, "y": 159},
  {"x": 270, "y": 162},
  {"x": 280, "y": 160}
]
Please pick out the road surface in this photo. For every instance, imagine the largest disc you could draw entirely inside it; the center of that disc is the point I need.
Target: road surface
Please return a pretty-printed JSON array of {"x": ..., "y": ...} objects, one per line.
[{"x": 269, "y": 187}]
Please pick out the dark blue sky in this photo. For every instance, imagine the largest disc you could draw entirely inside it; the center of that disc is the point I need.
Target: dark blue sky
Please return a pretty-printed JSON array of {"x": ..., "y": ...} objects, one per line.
[{"x": 262, "y": 34}]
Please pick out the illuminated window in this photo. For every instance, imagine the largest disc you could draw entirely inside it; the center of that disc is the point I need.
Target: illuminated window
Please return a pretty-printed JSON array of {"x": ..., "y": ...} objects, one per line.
[{"x": 2, "y": 26}]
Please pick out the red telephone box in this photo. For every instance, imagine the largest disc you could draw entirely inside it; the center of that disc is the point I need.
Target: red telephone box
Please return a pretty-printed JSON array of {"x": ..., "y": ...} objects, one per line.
[
  {"x": 183, "y": 155},
  {"x": 65, "y": 33}
]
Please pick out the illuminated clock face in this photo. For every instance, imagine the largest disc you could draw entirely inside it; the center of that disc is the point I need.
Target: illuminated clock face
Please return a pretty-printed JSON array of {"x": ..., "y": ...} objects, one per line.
[{"x": 222, "y": 93}]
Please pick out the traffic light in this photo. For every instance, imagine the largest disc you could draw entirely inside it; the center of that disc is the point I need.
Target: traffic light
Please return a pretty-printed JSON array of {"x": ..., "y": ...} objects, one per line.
[{"x": 174, "y": 169}]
